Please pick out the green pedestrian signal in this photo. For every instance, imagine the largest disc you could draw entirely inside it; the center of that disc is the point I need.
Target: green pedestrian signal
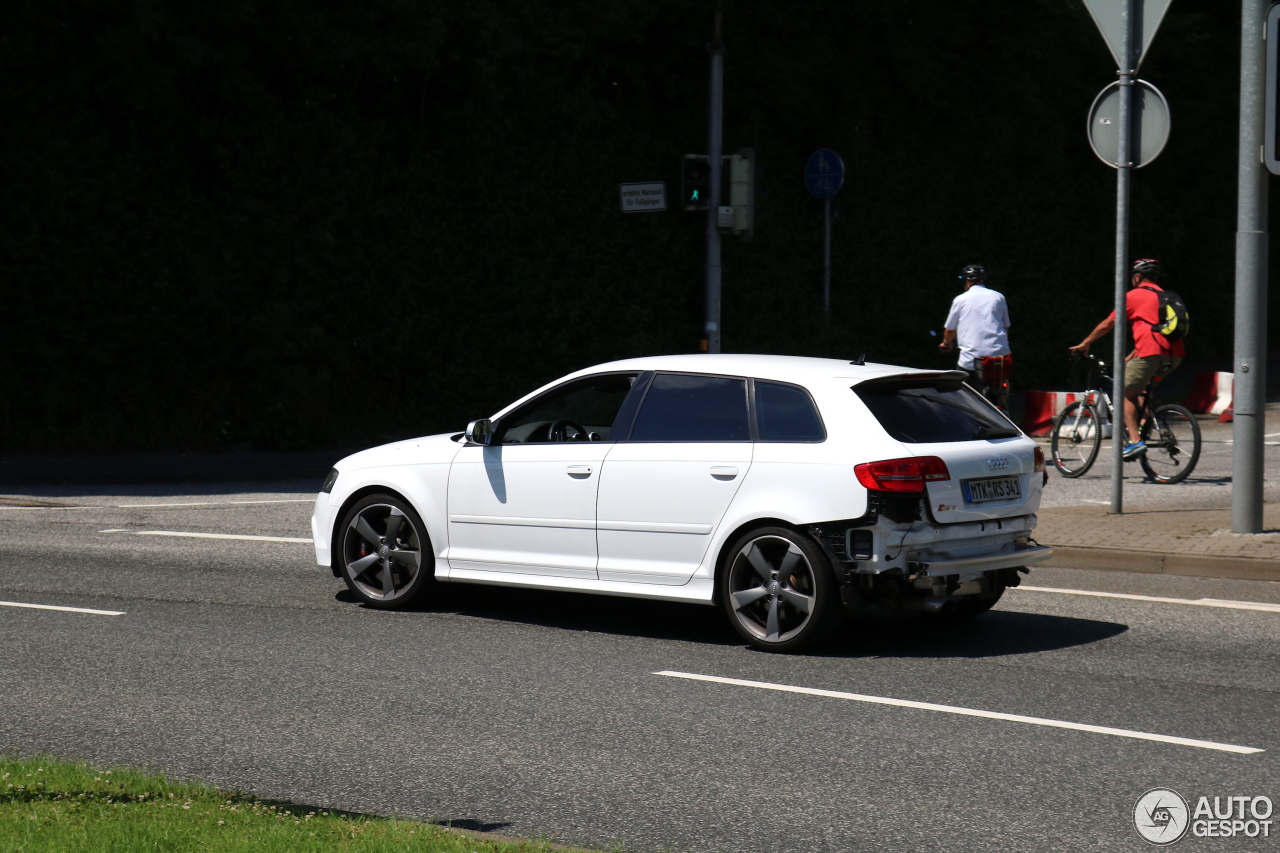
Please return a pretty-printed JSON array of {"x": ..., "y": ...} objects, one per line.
[{"x": 695, "y": 181}]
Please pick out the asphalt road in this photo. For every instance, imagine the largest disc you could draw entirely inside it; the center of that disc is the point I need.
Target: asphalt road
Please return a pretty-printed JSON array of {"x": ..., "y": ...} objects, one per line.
[{"x": 241, "y": 663}]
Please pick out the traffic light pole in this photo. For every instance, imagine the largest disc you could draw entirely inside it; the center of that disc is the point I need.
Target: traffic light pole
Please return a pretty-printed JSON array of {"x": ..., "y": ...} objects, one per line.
[
  {"x": 1250, "y": 397},
  {"x": 715, "y": 141},
  {"x": 826, "y": 256},
  {"x": 1124, "y": 169}
]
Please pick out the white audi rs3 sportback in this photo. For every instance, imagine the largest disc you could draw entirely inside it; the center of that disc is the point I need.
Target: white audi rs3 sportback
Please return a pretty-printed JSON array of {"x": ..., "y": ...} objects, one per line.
[{"x": 783, "y": 490}]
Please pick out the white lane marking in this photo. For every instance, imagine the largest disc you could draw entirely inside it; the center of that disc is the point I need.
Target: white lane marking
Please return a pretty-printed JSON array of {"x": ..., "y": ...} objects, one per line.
[
  {"x": 211, "y": 535},
  {"x": 67, "y": 609},
  {"x": 220, "y": 503},
  {"x": 1088, "y": 501},
  {"x": 1199, "y": 602},
  {"x": 969, "y": 712}
]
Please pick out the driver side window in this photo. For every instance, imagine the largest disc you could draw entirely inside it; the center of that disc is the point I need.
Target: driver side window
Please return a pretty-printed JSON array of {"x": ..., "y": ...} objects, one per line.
[{"x": 579, "y": 411}]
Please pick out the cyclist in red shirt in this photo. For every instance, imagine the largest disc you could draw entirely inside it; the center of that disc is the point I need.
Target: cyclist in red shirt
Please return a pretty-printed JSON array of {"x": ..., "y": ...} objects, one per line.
[{"x": 1153, "y": 354}]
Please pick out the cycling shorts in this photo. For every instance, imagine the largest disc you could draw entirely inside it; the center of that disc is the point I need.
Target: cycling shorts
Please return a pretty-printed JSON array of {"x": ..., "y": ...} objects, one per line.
[{"x": 1138, "y": 372}]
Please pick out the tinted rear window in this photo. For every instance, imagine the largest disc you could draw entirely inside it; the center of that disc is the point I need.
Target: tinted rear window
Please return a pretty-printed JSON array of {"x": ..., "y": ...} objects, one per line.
[
  {"x": 786, "y": 413},
  {"x": 921, "y": 414},
  {"x": 693, "y": 408}
]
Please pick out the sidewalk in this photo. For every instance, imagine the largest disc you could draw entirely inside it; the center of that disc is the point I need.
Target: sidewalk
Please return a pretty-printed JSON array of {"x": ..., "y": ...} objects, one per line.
[
  {"x": 1161, "y": 540},
  {"x": 154, "y": 468}
]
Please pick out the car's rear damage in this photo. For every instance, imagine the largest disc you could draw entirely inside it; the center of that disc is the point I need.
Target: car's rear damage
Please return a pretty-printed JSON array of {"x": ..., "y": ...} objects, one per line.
[
  {"x": 898, "y": 559},
  {"x": 949, "y": 527}
]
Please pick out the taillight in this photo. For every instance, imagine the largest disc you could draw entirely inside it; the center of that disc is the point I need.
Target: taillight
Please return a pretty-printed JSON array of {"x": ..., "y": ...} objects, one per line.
[
  {"x": 902, "y": 475},
  {"x": 1039, "y": 457}
]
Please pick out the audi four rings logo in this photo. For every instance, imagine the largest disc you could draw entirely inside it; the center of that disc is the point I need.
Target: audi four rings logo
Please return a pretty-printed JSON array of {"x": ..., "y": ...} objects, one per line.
[{"x": 998, "y": 463}]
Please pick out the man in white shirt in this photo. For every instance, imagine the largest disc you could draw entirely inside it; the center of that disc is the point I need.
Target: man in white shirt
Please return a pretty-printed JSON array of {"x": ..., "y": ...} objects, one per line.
[{"x": 979, "y": 324}]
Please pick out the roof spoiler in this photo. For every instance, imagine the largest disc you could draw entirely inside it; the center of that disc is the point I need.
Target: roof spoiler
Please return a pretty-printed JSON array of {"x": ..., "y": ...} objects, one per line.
[{"x": 943, "y": 380}]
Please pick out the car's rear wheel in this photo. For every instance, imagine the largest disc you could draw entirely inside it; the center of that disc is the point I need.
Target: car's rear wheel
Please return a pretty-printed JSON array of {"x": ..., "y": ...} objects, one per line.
[
  {"x": 779, "y": 591},
  {"x": 386, "y": 556}
]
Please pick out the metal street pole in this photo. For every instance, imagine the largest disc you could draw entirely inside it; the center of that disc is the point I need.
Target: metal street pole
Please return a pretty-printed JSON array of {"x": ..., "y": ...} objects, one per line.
[
  {"x": 1124, "y": 168},
  {"x": 1251, "y": 281},
  {"x": 826, "y": 256},
  {"x": 715, "y": 142}
]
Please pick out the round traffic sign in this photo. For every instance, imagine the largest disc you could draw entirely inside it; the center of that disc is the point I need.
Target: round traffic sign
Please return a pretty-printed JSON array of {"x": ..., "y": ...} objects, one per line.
[
  {"x": 1150, "y": 124},
  {"x": 824, "y": 173}
]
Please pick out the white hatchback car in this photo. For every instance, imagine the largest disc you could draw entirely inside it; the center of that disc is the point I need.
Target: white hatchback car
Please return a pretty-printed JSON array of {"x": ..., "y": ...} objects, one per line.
[{"x": 785, "y": 490}]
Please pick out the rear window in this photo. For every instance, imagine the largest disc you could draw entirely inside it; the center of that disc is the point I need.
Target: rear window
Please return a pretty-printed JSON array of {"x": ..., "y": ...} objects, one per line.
[{"x": 926, "y": 412}]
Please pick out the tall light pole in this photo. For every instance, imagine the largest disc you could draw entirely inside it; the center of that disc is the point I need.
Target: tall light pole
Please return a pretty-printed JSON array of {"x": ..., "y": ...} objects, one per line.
[
  {"x": 1250, "y": 410},
  {"x": 1124, "y": 169},
  {"x": 715, "y": 142}
]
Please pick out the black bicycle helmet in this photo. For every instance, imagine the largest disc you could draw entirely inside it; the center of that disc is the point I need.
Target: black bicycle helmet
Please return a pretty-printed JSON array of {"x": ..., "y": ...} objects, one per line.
[
  {"x": 973, "y": 272},
  {"x": 1148, "y": 268}
]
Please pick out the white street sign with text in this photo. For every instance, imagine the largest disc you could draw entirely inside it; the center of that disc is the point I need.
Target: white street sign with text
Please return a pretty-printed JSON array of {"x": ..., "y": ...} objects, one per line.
[{"x": 643, "y": 198}]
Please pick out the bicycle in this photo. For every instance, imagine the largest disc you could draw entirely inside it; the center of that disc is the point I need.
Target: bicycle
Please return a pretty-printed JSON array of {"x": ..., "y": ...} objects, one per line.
[
  {"x": 991, "y": 374},
  {"x": 990, "y": 378},
  {"x": 1170, "y": 432}
]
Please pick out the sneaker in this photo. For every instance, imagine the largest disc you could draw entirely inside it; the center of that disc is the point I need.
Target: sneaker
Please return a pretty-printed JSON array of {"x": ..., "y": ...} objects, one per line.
[{"x": 1134, "y": 450}]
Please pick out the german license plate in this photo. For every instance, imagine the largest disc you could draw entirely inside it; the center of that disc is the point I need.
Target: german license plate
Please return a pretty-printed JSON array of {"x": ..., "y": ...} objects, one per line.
[{"x": 991, "y": 489}]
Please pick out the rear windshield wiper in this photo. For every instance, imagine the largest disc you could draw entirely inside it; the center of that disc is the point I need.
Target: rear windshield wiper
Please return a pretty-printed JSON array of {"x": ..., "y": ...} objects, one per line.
[{"x": 996, "y": 432}]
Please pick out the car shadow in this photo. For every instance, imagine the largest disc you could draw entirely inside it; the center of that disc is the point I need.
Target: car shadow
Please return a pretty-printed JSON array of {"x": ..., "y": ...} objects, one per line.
[
  {"x": 572, "y": 611},
  {"x": 870, "y": 632},
  {"x": 997, "y": 633}
]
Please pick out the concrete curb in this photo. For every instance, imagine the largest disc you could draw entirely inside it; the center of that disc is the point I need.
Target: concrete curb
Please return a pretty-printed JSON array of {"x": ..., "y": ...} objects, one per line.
[
  {"x": 1185, "y": 565},
  {"x": 167, "y": 468}
]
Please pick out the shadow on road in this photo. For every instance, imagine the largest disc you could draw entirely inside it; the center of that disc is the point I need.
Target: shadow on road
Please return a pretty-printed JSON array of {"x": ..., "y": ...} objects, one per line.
[
  {"x": 871, "y": 632},
  {"x": 471, "y": 825},
  {"x": 996, "y": 633}
]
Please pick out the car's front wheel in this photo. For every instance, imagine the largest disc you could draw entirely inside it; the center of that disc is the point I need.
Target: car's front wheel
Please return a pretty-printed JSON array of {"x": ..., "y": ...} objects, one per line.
[
  {"x": 386, "y": 556},
  {"x": 779, "y": 591}
]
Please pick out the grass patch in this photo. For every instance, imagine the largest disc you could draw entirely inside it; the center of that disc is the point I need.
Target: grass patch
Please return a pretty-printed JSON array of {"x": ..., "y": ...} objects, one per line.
[{"x": 53, "y": 806}]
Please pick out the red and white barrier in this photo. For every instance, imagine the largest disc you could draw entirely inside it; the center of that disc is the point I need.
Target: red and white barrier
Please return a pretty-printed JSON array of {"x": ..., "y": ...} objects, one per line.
[
  {"x": 1211, "y": 394},
  {"x": 1041, "y": 407}
]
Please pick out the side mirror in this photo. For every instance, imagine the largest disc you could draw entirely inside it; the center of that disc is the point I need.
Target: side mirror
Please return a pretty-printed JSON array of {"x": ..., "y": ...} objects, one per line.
[{"x": 480, "y": 432}]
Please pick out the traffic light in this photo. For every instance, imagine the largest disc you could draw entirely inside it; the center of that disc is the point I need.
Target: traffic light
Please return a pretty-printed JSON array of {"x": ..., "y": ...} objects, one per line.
[
  {"x": 742, "y": 191},
  {"x": 695, "y": 182}
]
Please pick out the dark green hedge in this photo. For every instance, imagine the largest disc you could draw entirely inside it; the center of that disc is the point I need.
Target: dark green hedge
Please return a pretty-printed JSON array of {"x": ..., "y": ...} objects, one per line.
[{"x": 311, "y": 224}]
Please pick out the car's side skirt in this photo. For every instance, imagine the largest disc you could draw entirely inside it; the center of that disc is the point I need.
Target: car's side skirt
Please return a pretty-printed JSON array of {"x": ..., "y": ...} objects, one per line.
[{"x": 697, "y": 590}]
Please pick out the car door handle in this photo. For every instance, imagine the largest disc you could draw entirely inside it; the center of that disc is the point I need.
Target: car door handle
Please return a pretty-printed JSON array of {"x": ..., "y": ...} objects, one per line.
[
  {"x": 580, "y": 472},
  {"x": 724, "y": 472}
]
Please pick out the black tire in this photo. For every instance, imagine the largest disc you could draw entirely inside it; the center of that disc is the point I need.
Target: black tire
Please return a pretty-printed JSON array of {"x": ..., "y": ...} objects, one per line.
[
  {"x": 384, "y": 554},
  {"x": 1172, "y": 437},
  {"x": 778, "y": 590},
  {"x": 1077, "y": 436}
]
